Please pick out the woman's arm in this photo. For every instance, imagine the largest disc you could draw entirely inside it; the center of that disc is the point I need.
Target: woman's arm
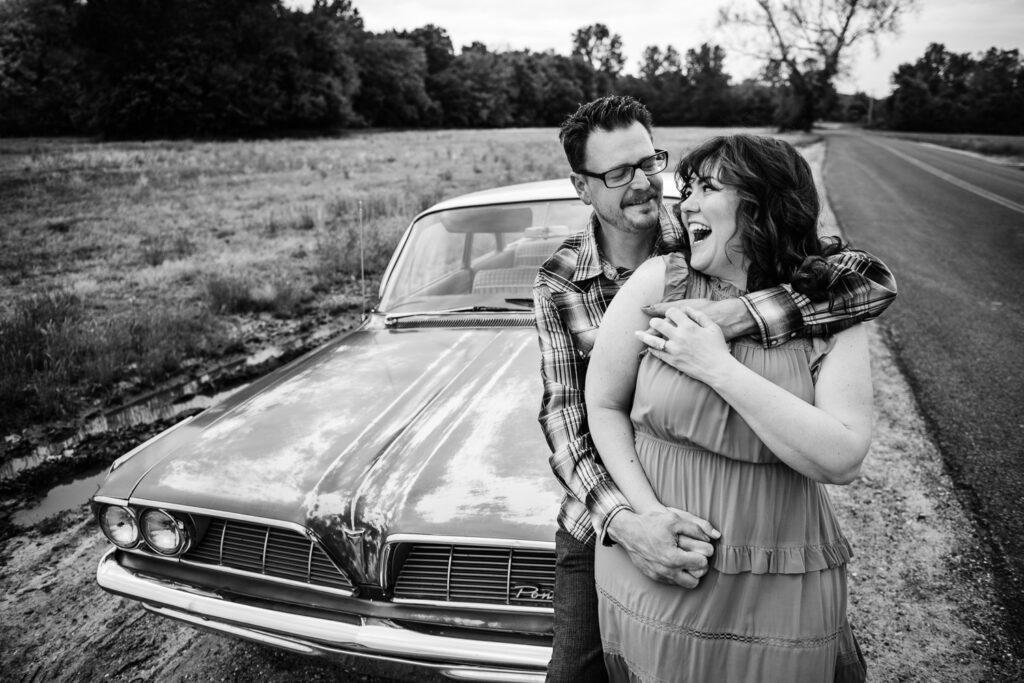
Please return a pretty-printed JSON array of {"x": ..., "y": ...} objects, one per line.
[
  {"x": 611, "y": 380},
  {"x": 826, "y": 441}
]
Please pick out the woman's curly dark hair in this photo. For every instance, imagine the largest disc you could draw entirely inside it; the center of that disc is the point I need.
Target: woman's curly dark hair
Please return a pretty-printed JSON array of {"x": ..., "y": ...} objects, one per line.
[{"x": 777, "y": 219}]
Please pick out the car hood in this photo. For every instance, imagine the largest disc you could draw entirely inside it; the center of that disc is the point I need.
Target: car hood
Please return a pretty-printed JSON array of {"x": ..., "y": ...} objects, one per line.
[{"x": 382, "y": 432}]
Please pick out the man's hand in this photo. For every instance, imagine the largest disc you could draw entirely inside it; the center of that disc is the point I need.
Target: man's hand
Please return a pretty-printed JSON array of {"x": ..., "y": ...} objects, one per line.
[
  {"x": 667, "y": 545},
  {"x": 729, "y": 314}
]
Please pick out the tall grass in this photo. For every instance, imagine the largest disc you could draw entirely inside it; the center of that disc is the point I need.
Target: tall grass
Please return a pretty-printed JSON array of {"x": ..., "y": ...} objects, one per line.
[{"x": 55, "y": 358}]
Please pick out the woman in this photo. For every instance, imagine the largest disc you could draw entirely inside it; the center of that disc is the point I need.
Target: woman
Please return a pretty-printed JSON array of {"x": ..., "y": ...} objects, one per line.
[{"x": 739, "y": 435}]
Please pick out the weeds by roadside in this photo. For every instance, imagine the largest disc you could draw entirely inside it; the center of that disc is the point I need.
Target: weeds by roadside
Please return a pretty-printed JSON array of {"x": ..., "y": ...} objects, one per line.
[
  {"x": 55, "y": 357},
  {"x": 1009, "y": 146}
]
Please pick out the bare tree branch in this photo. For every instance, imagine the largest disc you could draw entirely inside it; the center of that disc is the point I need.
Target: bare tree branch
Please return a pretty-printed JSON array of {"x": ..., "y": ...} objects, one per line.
[{"x": 811, "y": 39}]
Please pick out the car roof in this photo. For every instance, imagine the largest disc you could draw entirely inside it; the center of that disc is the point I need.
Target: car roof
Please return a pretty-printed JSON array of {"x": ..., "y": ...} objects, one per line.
[{"x": 540, "y": 190}]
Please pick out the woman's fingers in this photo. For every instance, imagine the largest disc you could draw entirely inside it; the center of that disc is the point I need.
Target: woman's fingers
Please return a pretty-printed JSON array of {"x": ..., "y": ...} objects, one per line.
[{"x": 651, "y": 340}]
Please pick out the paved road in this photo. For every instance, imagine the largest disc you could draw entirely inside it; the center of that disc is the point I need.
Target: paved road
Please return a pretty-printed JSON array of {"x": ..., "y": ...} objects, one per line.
[{"x": 951, "y": 227}]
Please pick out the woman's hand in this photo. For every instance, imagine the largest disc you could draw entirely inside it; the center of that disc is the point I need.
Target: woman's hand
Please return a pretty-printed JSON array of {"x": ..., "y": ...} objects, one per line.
[{"x": 691, "y": 342}]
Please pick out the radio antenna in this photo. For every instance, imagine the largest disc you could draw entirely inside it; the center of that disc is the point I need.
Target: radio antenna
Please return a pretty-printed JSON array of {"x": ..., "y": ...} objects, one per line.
[{"x": 362, "y": 260}]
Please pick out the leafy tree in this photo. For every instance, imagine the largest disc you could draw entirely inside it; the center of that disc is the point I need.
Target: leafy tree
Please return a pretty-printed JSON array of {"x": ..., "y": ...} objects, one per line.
[
  {"x": 709, "y": 84},
  {"x": 213, "y": 67},
  {"x": 436, "y": 44},
  {"x": 474, "y": 90},
  {"x": 40, "y": 67},
  {"x": 805, "y": 44},
  {"x": 997, "y": 85},
  {"x": 314, "y": 69},
  {"x": 602, "y": 51},
  {"x": 662, "y": 86},
  {"x": 392, "y": 74},
  {"x": 655, "y": 62},
  {"x": 953, "y": 92},
  {"x": 753, "y": 103},
  {"x": 567, "y": 82}
]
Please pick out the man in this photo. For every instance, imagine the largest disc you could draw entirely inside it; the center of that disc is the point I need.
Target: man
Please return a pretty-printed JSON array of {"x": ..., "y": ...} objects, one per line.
[{"x": 607, "y": 142}]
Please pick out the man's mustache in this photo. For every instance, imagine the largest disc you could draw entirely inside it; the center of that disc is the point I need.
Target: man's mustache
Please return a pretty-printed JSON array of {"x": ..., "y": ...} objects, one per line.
[{"x": 640, "y": 197}]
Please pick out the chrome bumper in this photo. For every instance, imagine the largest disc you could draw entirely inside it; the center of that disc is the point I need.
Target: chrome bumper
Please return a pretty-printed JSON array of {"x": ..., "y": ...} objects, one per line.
[{"x": 376, "y": 639}]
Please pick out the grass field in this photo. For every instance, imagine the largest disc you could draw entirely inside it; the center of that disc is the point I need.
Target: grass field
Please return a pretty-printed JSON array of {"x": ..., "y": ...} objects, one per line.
[{"x": 120, "y": 261}]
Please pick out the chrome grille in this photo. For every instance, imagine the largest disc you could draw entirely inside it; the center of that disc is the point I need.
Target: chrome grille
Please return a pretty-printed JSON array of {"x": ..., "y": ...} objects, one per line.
[
  {"x": 463, "y": 573},
  {"x": 267, "y": 551}
]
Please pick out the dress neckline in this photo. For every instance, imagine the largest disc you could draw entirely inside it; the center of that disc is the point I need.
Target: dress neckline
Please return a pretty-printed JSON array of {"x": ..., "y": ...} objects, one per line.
[{"x": 722, "y": 287}]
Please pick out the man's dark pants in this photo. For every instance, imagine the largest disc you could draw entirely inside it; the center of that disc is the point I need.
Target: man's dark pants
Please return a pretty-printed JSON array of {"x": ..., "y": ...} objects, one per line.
[{"x": 576, "y": 655}]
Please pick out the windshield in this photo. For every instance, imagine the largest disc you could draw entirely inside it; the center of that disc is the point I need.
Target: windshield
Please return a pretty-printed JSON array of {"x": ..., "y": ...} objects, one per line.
[{"x": 478, "y": 257}]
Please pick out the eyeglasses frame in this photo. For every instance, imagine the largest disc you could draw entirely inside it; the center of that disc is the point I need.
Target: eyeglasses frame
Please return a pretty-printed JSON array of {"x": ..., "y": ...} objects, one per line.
[{"x": 603, "y": 176}]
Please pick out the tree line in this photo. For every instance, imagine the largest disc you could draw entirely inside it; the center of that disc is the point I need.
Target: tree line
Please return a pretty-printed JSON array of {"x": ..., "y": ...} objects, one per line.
[
  {"x": 174, "y": 68},
  {"x": 948, "y": 92}
]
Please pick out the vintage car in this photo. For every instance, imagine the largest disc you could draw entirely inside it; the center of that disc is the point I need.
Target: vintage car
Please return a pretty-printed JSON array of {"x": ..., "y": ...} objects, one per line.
[{"x": 388, "y": 495}]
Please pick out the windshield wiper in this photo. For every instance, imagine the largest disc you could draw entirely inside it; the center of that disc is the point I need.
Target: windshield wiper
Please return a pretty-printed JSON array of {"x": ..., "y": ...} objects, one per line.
[
  {"x": 521, "y": 307},
  {"x": 486, "y": 309}
]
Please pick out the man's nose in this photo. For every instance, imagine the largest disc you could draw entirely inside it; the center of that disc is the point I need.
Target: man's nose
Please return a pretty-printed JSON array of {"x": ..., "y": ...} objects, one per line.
[{"x": 643, "y": 181}]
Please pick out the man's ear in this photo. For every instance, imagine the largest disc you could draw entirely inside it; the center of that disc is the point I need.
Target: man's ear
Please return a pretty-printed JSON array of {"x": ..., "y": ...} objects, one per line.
[{"x": 579, "y": 183}]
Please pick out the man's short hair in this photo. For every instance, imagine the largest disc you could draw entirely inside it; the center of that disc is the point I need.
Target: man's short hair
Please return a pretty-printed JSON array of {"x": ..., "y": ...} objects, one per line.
[{"x": 605, "y": 113}]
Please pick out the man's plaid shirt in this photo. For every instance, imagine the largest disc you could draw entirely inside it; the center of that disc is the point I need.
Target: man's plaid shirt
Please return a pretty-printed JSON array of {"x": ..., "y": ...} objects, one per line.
[{"x": 572, "y": 292}]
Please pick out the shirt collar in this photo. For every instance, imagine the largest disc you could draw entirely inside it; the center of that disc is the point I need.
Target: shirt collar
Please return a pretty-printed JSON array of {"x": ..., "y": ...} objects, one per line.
[{"x": 590, "y": 263}]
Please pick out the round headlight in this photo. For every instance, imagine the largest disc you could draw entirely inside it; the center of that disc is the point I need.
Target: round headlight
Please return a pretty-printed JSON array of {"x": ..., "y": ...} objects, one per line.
[
  {"x": 164, "y": 533},
  {"x": 118, "y": 524}
]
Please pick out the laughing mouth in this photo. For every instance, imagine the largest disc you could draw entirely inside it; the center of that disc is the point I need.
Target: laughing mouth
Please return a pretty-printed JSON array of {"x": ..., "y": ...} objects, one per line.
[{"x": 700, "y": 233}]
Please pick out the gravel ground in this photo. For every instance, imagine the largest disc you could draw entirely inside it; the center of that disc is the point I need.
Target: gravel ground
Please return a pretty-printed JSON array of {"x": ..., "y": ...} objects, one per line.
[{"x": 921, "y": 593}]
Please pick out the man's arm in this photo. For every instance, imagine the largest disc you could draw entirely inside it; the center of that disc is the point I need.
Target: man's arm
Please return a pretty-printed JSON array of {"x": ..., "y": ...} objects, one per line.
[
  {"x": 563, "y": 418},
  {"x": 667, "y": 545},
  {"x": 861, "y": 288}
]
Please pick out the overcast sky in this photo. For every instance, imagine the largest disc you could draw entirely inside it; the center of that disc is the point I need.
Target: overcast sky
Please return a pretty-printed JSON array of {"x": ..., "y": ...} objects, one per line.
[{"x": 961, "y": 25}]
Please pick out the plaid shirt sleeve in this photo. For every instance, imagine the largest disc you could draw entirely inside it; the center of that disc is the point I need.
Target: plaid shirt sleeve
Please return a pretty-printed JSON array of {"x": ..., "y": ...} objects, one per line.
[
  {"x": 860, "y": 288},
  {"x": 563, "y": 418}
]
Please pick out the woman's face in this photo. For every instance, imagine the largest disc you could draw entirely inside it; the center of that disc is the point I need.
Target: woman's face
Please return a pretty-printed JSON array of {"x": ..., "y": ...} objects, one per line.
[{"x": 709, "y": 208}]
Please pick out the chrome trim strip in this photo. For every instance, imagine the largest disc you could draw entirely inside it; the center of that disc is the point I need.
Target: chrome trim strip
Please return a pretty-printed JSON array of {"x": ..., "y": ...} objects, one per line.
[
  {"x": 305, "y": 647},
  {"x": 263, "y": 555},
  {"x": 373, "y": 638},
  {"x": 108, "y": 500},
  {"x": 486, "y": 606},
  {"x": 227, "y": 515},
  {"x": 309, "y": 563},
  {"x": 448, "y": 575},
  {"x": 385, "y": 562},
  {"x": 220, "y": 544},
  {"x": 508, "y": 579},
  {"x": 470, "y": 540},
  {"x": 241, "y": 572}
]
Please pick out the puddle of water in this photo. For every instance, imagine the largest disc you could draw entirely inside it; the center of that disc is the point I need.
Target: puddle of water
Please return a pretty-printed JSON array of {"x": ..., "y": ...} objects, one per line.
[
  {"x": 70, "y": 495},
  {"x": 144, "y": 412},
  {"x": 168, "y": 403},
  {"x": 63, "y": 497}
]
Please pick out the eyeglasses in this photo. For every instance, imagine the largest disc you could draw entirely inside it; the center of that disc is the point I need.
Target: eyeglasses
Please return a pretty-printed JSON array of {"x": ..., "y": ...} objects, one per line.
[{"x": 623, "y": 175}]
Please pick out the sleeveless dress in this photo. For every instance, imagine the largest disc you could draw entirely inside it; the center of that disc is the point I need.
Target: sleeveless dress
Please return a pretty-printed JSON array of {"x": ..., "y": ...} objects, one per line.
[{"x": 772, "y": 606}]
